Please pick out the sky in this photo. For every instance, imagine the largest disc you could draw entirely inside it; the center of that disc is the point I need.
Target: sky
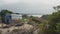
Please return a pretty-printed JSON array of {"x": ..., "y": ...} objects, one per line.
[{"x": 29, "y": 6}]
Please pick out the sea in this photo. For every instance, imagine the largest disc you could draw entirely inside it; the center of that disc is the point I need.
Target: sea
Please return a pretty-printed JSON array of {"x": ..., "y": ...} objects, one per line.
[{"x": 18, "y": 16}]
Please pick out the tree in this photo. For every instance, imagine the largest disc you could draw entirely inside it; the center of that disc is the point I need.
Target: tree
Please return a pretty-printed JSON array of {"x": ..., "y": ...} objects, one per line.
[
  {"x": 56, "y": 7},
  {"x": 3, "y": 14},
  {"x": 54, "y": 22}
]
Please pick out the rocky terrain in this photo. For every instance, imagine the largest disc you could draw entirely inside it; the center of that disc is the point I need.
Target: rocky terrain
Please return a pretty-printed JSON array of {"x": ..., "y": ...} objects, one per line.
[{"x": 24, "y": 29}]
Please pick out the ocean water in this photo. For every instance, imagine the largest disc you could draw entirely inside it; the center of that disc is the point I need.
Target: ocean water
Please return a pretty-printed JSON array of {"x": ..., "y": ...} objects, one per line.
[{"x": 17, "y": 16}]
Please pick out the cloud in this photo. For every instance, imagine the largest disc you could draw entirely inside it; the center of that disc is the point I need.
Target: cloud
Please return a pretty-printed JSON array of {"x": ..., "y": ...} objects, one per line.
[
  {"x": 29, "y": 5},
  {"x": 9, "y": 1},
  {"x": 49, "y": 2}
]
